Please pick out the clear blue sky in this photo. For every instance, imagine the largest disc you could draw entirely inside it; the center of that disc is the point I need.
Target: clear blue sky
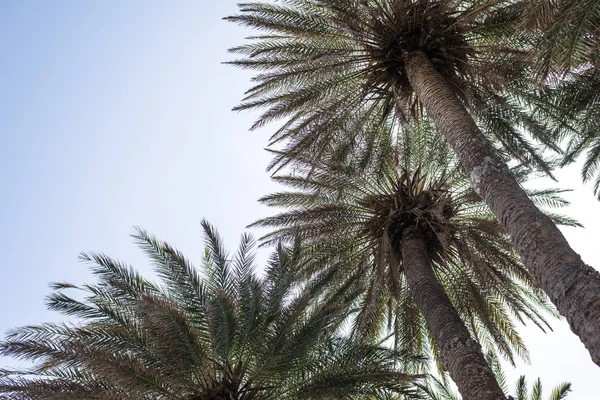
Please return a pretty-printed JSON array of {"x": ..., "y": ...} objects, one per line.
[{"x": 115, "y": 114}]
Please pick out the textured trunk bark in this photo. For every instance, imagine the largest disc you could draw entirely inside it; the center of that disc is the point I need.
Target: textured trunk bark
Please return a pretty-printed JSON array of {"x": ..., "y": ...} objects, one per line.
[
  {"x": 572, "y": 286},
  {"x": 461, "y": 356}
]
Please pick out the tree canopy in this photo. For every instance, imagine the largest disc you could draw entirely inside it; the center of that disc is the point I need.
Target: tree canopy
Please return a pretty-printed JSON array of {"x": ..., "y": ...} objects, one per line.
[{"x": 219, "y": 334}]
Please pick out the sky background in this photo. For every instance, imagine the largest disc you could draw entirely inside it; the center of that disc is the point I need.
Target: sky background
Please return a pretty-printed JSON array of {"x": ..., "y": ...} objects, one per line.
[{"x": 116, "y": 114}]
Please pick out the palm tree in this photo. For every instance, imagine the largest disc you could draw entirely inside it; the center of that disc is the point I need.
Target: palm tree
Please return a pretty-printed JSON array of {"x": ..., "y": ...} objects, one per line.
[
  {"x": 434, "y": 258},
  {"x": 321, "y": 61},
  {"x": 226, "y": 336}
]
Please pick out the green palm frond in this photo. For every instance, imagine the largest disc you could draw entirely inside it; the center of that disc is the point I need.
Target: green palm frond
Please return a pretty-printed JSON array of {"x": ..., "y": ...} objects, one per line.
[
  {"x": 560, "y": 392},
  {"x": 578, "y": 96},
  {"x": 568, "y": 56},
  {"x": 435, "y": 389},
  {"x": 221, "y": 334},
  {"x": 522, "y": 392}
]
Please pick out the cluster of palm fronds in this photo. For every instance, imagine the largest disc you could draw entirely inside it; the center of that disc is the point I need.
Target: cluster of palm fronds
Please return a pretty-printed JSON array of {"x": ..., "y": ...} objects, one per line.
[
  {"x": 222, "y": 333},
  {"x": 568, "y": 57},
  {"x": 323, "y": 61},
  {"x": 357, "y": 213}
]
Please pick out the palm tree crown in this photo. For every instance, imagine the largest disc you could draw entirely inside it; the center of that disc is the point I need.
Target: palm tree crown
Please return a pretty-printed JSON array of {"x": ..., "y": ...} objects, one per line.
[
  {"x": 350, "y": 210},
  {"x": 322, "y": 61},
  {"x": 227, "y": 336}
]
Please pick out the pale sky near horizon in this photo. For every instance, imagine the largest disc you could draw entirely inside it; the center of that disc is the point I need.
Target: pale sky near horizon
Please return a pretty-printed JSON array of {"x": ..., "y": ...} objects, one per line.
[{"x": 115, "y": 114}]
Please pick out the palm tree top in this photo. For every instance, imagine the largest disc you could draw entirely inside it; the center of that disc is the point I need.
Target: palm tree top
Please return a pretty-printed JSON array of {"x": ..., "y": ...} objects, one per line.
[
  {"x": 218, "y": 334},
  {"x": 373, "y": 38},
  {"x": 321, "y": 62},
  {"x": 412, "y": 202},
  {"x": 357, "y": 206},
  {"x": 396, "y": 29}
]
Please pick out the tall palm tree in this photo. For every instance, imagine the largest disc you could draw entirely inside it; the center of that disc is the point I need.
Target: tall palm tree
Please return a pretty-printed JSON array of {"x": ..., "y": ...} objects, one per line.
[
  {"x": 227, "y": 335},
  {"x": 321, "y": 61},
  {"x": 432, "y": 254}
]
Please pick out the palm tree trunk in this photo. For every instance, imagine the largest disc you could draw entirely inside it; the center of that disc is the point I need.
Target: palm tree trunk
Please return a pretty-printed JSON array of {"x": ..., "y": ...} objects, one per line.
[
  {"x": 572, "y": 286},
  {"x": 461, "y": 356}
]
